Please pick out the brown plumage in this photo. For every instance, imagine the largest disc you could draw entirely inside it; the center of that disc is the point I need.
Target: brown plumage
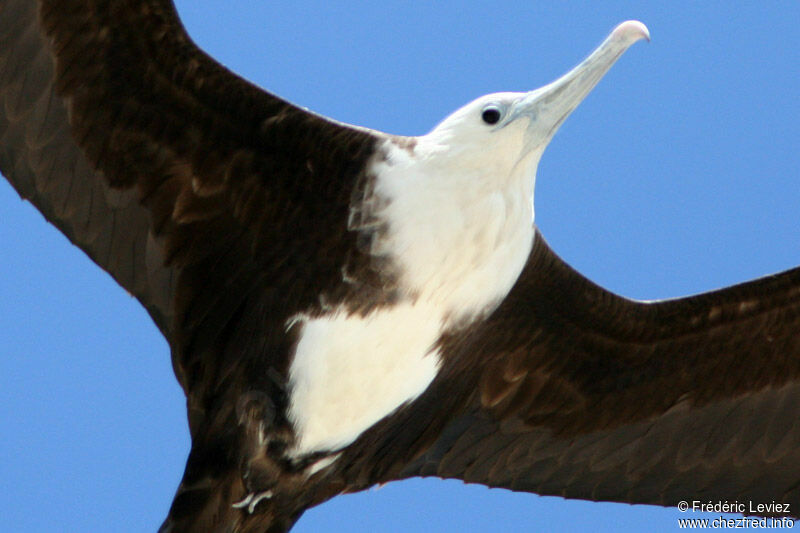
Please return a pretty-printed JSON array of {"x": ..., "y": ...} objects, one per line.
[{"x": 224, "y": 210}]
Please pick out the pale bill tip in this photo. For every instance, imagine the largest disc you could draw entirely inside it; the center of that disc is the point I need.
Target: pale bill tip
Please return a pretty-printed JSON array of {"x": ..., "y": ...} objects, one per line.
[{"x": 631, "y": 31}]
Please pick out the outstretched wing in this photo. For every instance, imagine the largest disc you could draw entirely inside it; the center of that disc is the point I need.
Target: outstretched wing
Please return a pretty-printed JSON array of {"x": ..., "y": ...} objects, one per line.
[
  {"x": 583, "y": 394},
  {"x": 190, "y": 186},
  {"x": 222, "y": 208}
]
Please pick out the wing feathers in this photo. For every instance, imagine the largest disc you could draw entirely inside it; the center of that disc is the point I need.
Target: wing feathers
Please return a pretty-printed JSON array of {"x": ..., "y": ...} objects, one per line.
[
  {"x": 222, "y": 208},
  {"x": 208, "y": 156},
  {"x": 584, "y": 394},
  {"x": 40, "y": 158}
]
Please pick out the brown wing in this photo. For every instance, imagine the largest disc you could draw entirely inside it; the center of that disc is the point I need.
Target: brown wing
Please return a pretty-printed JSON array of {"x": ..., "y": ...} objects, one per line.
[
  {"x": 42, "y": 161},
  {"x": 584, "y": 394},
  {"x": 190, "y": 186},
  {"x": 222, "y": 208}
]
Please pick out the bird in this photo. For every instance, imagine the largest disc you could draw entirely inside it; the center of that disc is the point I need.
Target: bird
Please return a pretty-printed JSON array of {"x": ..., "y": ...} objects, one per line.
[{"x": 257, "y": 401}]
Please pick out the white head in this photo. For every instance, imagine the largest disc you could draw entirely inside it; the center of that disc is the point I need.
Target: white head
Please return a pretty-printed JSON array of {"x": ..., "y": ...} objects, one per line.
[{"x": 499, "y": 131}]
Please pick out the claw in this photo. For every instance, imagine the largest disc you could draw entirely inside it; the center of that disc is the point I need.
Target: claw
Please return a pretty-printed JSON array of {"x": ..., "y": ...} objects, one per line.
[{"x": 252, "y": 500}]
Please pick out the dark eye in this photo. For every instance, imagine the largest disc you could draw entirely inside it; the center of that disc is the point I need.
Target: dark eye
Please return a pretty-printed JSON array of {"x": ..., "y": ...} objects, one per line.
[{"x": 491, "y": 115}]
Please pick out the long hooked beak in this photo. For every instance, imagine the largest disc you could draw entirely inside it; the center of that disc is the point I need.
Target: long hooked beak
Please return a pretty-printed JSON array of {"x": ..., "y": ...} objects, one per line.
[{"x": 548, "y": 106}]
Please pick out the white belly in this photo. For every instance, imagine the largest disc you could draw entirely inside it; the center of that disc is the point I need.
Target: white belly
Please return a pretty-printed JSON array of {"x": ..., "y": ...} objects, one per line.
[{"x": 349, "y": 372}]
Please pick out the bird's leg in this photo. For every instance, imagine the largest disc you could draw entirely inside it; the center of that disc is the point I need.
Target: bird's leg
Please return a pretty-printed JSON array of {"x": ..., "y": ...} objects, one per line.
[{"x": 265, "y": 439}]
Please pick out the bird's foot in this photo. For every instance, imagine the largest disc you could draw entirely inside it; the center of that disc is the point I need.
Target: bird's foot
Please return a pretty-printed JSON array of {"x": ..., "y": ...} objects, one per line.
[{"x": 252, "y": 500}]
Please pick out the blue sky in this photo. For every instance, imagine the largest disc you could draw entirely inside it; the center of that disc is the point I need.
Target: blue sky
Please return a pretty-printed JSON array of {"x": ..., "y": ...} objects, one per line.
[{"x": 680, "y": 173}]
